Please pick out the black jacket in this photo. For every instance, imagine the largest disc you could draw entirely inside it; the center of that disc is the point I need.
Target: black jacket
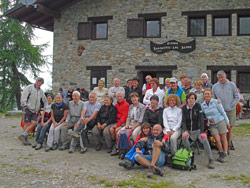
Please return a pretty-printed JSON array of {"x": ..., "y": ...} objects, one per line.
[
  {"x": 153, "y": 117},
  {"x": 107, "y": 114},
  {"x": 192, "y": 119},
  {"x": 148, "y": 145}
]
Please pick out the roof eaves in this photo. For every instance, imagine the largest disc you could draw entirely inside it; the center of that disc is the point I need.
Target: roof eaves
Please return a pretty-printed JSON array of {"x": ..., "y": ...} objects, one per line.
[{"x": 18, "y": 6}]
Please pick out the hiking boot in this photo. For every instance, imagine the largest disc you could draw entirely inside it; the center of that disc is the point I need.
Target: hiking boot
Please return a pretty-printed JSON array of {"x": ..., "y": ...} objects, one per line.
[
  {"x": 22, "y": 139},
  {"x": 158, "y": 171},
  {"x": 109, "y": 150},
  {"x": 34, "y": 145},
  {"x": 71, "y": 150},
  {"x": 27, "y": 142},
  {"x": 128, "y": 164},
  {"x": 210, "y": 164},
  {"x": 150, "y": 172},
  {"x": 75, "y": 134},
  {"x": 114, "y": 151},
  {"x": 63, "y": 147},
  {"x": 83, "y": 150},
  {"x": 54, "y": 147},
  {"x": 38, "y": 146},
  {"x": 221, "y": 157},
  {"x": 47, "y": 149},
  {"x": 98, "y": 147}
]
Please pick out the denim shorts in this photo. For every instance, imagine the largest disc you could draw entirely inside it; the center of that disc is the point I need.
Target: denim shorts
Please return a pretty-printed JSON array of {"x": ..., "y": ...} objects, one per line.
[{"x": 159, "y": 162}]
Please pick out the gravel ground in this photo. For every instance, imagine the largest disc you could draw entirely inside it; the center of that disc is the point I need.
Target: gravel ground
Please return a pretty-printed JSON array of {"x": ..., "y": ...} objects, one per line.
[{"x": 22, "y": 166}]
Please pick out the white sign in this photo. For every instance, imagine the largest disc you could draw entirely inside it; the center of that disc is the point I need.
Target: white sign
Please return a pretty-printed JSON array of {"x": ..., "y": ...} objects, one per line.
[
  {"x": 161, "y": 80},
  {"x": 94, "y": 80}
]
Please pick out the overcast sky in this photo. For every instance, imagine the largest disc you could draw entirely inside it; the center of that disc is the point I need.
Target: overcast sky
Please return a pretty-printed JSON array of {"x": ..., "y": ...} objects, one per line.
[{"x": 45, "y": 37}]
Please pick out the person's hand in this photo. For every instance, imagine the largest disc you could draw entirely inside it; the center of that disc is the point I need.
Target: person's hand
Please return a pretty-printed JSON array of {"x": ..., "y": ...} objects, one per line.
[
  {"x": 163, "y": 141},
  {"x": 55, "y": 125},
  {"x": 76, "y": 125},
  {"x": 113, "y": 127},
  {"x": 203, "y": 135},
  {"x": 157, "y": 143},
  {"x": 138, "y": 151},
  {"x": 83, "y": 118},
  {"x": 228, "y": 126},
  {"x": 103, "y": 126},
  {"x": 185, "y": 135},
  {"x": 211, "y": 120},
  {"x": 87, "y": 120},
  {"x": 126, "y": 126},
  {"x": 218, "y": 101},
  {"x": 99, "y": 126},
  {"x": 65, "y": 124},
  {"x": 145, "y": 139}
]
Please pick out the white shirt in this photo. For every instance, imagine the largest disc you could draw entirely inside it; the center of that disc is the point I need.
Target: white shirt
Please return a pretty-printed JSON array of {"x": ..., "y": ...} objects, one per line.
[
  {"x": 149, "y": 93},
  {"x": 172, "y": 118}
]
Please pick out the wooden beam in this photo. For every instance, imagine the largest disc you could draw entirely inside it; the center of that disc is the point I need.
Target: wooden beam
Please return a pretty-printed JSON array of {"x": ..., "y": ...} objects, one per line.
[{"x": 48, "y": 11}]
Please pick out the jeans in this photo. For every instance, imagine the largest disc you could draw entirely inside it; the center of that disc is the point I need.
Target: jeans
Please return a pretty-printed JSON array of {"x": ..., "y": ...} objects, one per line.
[
  {"x": 41, "y": 132},
  {"x": 159, "y": 162}
]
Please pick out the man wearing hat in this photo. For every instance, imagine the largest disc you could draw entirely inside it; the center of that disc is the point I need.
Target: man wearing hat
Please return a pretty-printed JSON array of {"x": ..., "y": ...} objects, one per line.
[
  {"x": 175, "y": 89},
  {"x": 30, "y": 101}
]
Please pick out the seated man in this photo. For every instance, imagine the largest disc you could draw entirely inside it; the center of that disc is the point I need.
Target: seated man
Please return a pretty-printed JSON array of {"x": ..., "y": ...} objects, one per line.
[
  {"x": 155, "y": 151},
  {"x": 88, "y": 121},
  {"x": 73, "y": 119}
]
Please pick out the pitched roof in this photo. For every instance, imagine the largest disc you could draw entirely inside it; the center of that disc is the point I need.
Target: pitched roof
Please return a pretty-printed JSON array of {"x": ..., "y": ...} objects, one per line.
[{"x": 41, "y": 14}]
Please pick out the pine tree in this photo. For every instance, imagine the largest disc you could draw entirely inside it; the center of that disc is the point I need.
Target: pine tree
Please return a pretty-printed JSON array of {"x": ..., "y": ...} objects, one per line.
[{"x": 17, "y": 56}]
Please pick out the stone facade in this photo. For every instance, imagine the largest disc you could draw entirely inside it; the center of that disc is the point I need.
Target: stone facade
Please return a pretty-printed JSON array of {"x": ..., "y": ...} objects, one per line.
[{"x": 119, "y": 51}]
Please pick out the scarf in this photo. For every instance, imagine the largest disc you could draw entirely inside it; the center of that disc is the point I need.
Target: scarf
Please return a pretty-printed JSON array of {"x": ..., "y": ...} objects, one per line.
[
  {"x": 59, "y": 105},
  {"x": 148, "y": 87}
]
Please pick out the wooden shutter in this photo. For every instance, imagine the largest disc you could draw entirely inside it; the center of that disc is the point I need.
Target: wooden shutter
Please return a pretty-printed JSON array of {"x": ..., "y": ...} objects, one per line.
[
  {"x": 84, "y": 31},
  {"x": 135, "y": 28}
]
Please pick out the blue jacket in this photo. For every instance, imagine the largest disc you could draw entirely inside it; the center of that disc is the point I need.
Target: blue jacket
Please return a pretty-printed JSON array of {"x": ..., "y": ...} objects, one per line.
[
  {"x": 215, "y": 111},
  {"x": 179, "y": 92}
]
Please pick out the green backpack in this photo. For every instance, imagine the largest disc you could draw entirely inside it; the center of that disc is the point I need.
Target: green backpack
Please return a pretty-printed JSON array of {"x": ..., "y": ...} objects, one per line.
[{"x": 183, "y": 159}]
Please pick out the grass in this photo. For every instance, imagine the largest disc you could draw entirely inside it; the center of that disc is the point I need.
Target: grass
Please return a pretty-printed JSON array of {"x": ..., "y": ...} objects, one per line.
[
  {"x": 242, "y": 130},
  {"x": 215, "y": 176},
  {"x": 31, "y": 171},
  {"x": 243, "y": 178}
]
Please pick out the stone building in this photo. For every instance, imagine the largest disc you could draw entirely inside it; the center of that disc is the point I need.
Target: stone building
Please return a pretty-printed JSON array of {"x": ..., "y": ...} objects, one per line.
[{"x": 97, "y": 39}]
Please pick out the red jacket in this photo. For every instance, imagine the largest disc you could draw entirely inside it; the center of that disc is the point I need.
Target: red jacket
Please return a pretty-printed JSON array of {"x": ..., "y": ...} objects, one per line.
[{"x": 122, "y": 112}]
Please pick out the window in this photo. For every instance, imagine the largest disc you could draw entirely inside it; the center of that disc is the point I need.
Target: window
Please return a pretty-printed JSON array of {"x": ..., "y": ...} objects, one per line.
[
  {"x": 243, "y": 25},
  {"x": 153, "y": 28},
  {"x": 147, "y": 25},
  {"x": 243, "y": 81},
  {"x": 221, "y": 26},
  {"x": 197, "y": 26},
  {"x": 95, "y": 28}
]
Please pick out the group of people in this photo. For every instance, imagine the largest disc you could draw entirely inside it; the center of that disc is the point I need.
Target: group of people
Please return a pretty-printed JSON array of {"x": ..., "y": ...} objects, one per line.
[{"x": 152, "y": 119}]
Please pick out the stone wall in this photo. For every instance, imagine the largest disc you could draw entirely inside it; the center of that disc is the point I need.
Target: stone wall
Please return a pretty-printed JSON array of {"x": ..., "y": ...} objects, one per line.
[{"x": 122, "y": 52}]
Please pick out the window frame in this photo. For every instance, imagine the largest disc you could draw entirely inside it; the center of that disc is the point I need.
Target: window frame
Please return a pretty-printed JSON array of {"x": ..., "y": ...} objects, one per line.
[
  {"x": 229, "y": 26},
  {"x": 94, "y": 31},
  {"x": 238, "y": 72},
  {"x": 189, "y": 25},
  {"x": 238, "y": 24},
  {"x": 145, "y": 27}
]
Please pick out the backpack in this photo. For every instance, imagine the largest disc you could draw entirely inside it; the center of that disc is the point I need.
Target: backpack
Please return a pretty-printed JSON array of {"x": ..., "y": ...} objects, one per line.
[
  {"x": 183, "y": 159},
  {"x": 123, "y": 145}
]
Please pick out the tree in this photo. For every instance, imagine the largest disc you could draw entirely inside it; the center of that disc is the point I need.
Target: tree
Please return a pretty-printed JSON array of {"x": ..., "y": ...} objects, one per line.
[{"x": 17, "y": 56}]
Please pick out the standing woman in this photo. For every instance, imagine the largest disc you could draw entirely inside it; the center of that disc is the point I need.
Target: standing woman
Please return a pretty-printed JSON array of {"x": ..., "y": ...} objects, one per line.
[
  {"x": 45, "y": 123},
  {"x": 204, "y": 78},
  {"x": 100, "y": 91},
  {"x": 193, "y": 126},
  {"x": 59, "y": 112},
  {"x": 154, "y": 91},
  {"x": 218, "y": 122},
  {"x": 198, "y": 90},
  {"x": 172, "y": 117}
]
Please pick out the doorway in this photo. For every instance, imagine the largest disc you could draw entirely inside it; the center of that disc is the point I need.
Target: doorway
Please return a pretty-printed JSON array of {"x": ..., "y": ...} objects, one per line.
[{"x": 159, "y": 72}]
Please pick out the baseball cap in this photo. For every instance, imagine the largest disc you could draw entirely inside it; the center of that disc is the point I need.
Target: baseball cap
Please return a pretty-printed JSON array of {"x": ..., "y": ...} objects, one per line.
[{"x": 173, "y": 79}]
